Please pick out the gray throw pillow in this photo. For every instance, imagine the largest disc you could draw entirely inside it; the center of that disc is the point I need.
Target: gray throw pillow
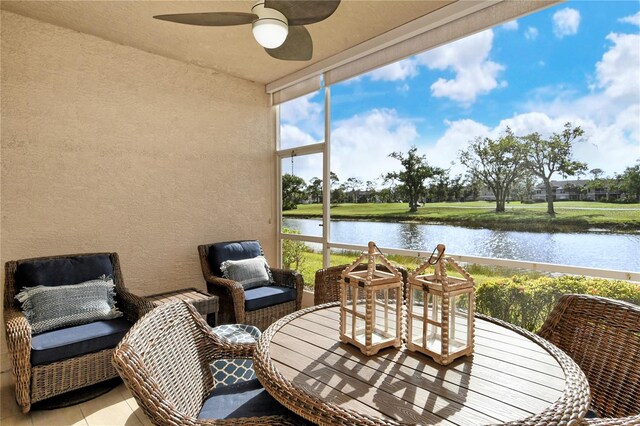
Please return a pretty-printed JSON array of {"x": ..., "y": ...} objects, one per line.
[
  {"x": 48, "y": 308},
  {"x": 250, "y": 273}
]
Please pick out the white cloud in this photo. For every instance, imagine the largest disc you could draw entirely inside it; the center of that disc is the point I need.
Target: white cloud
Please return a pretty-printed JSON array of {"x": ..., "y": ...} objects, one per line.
[
  {"x": 400, "y": 70},
  {"x": 610, "y": 116},
  {"x": 294, "y": 136},
  {"x": 633, "y": 19},
  {"x": 511, "y": 25},
  {"x": 617, "y": 72},
  {"x": 456, "y": 137},
  {"x": 302, "y": 113},
  {"x": 468, "y": 58},
  {"x": 531, "y": 33},
  {"x": 300, "y": 109},
  {"x": 360, "y": 145},
  {"x": 566, "y": 22}
]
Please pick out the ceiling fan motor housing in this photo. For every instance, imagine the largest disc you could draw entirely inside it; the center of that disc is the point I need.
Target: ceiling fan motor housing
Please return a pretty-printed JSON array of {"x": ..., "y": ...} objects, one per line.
[{"x": 271, "y": 28}]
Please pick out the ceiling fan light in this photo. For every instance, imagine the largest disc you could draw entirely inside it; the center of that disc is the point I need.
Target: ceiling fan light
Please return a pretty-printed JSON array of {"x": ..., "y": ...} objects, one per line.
[
  {"x": 270, "y": 33},
  {"x": 271, "y": 28}
]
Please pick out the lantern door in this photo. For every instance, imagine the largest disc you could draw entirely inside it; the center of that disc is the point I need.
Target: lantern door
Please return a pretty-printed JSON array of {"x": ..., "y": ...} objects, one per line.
[
  {"x": 460, "y": 333},
  {"x": 353, "y": 313}
]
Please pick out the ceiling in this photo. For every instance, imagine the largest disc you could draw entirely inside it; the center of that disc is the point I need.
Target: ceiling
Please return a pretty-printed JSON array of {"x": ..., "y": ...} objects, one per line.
[{"x": 231, "y": 50}]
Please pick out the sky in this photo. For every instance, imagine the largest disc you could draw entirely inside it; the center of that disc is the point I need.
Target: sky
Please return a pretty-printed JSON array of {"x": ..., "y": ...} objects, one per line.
[{"x": 576, "y": 62}]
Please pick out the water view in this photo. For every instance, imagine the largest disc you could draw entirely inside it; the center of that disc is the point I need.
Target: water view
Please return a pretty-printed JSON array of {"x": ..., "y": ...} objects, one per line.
[{"x": 588, "y": 249}]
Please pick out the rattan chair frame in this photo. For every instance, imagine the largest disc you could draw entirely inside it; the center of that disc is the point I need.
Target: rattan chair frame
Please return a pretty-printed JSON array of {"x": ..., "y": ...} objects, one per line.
[
  {"x": 36, "y": 383},
  {"x": 327, "y": 282},
  {"x": 164, "y": 362},
  {"x": 603, "y": 337},
  {"x": 231, "y": 294}
]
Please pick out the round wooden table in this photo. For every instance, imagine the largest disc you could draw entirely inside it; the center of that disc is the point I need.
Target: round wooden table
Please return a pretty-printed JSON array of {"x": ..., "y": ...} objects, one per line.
[{"x": 514, "y": 377}]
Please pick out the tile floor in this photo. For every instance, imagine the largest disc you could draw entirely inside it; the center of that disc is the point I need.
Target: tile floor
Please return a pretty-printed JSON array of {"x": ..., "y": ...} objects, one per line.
[{"x": 116, "y": 407}]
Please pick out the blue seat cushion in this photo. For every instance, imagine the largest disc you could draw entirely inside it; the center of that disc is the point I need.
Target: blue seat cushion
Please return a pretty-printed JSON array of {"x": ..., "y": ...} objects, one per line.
[
  {"x": 242, "y": 399},
  {"x": 263, "y": 297},
  {"x": 232, "y": 250},
  {"x": 64, "y": 271},
  {"x": 70, "y": 342}
]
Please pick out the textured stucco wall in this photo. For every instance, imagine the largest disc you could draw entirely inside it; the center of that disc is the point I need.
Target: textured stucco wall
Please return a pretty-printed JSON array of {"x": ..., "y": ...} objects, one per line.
[{"x": 108, "y": 148}]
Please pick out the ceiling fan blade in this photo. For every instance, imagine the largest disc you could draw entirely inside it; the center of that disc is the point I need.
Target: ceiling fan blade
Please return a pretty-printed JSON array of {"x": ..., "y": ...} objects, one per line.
[
  {"x": 210, "y": 19},
  {"x": 304, "y": 12},
  {"x": 297, "y": 47}
]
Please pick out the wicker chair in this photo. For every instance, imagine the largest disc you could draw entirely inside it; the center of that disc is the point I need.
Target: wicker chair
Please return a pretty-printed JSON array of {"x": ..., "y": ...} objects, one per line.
[
  {"x": 164, "y": 361},
  {"x": 233, "y": 298},
  {"x": 327, "y": 282},
  {"x": 44, "y": 380},
  {"x": 603, "y": 338}
]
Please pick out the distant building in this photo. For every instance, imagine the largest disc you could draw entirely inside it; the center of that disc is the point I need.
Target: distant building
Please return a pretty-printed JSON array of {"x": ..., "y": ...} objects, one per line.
[
  {"x": 574, "y": 190},
  {"x": 485, "y": 194}
]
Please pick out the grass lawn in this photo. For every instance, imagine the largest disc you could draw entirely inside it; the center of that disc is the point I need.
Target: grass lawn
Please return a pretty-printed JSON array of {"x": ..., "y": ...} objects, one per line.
[
  {"x": 313, "y": 261},
  {"x": 570, "y": 215}
]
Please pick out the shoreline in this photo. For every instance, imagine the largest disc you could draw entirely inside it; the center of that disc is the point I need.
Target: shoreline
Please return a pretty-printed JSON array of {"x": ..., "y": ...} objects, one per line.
[{"x": 530, "y": 225}]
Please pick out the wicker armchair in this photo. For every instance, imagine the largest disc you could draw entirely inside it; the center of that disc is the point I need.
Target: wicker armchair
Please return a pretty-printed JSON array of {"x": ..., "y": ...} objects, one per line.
[
  {"x": 327, "y": 282},
  {"x": 233, "y": 302},
  {"x": 44, "y": 380},
  {"x": 603, "y": 338},
  {"x": 164, "y": 361}
]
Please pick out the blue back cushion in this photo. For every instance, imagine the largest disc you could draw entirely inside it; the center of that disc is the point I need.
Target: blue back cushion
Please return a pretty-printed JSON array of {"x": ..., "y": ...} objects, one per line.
[
  {"x": 65, "y": 271},
  {"x": 231, "y": 250}
]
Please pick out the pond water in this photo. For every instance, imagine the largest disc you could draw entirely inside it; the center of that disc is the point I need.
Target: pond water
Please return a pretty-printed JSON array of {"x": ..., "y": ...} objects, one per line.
[{"x": 589, "y": 249}]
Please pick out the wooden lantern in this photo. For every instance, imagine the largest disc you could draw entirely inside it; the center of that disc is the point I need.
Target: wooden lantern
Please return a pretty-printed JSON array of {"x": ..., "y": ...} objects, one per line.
[
  {"x": 371, "y": 304},
  {"x": 440, "y": 310}
]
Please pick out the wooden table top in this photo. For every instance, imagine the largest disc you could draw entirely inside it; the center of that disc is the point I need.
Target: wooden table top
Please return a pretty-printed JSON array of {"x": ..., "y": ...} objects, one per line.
[{"x": 512, "y": 375}]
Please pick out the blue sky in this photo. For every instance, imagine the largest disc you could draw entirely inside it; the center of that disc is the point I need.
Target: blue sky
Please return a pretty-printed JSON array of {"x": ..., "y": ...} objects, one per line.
[{"x": 578, "y": 61}]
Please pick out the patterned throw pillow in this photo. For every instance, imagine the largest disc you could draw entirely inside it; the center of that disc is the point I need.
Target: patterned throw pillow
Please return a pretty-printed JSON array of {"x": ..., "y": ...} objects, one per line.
[
  {"x": 51, "y": 307},
  {"x": 250, "y": 273}
]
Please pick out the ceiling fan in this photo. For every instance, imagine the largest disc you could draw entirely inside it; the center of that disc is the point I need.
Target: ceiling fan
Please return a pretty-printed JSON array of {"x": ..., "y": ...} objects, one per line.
[{"x": 277, "y": 25}]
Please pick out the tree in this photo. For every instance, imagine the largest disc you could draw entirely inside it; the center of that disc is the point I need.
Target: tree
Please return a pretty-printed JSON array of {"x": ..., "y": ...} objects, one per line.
[
  {"x": 412, "y": 178},
  {"x": 456, "y": 187},
  {"x": 370, "y": 187},
  {"x": 292, "y": 191},
  {"x": 293, "y": 251},
  {"x": 472, "y": 186},
  {"x": 497, "y": 164},
  {"x": 553, "y": 155},
  {"x": 353, "y": 185},
  {"x": 335, "y": 194},
  {"x": 596, "y": 173},
  {"x": 438, "y": 189},
  {"x": 631, "y": 182},
  {"x": 524, "y": 186},
  {"x": 315, "y": 190}
]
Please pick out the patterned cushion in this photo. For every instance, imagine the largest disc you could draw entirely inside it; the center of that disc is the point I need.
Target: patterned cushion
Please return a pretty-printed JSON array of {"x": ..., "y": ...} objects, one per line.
[
  {"x": 248, "y": 272},
  {"x": 237, "y": 333},
  {"x": 227, "y": 371},
  {"x": 48, "y": 308}
]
